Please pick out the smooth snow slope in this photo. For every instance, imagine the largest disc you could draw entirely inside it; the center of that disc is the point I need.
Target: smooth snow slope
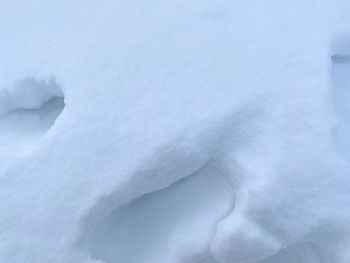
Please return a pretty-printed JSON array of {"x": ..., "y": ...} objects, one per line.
[{"x": 174, "y": 131}]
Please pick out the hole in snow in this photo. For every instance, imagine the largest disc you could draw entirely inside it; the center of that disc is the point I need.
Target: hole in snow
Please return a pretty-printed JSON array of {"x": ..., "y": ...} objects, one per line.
[
  {"x": 158, "y": 226},
  {"x": 27, "y": 110}
]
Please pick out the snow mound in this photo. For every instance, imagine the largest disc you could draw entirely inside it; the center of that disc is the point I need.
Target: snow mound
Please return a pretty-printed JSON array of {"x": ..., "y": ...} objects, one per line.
[{"x": 184, "y": 131}]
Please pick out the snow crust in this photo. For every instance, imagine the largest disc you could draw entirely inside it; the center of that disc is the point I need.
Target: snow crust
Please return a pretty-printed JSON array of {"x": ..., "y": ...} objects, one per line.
[{"x": 177, "y": 131}]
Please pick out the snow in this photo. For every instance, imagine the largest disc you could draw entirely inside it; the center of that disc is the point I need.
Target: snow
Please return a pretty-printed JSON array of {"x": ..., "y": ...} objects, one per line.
[
  {"x": 180, "y": 131},
  {"x": 29, "y": 109}
]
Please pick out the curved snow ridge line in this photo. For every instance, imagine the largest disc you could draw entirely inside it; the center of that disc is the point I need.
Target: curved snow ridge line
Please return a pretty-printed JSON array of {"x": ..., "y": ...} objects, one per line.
[
  {"x": 162, "y": 215},
  {"x": 28, "y": 94},
  {"x": 166, "y": 166},
  {"x": 200, "y": 183},
  {"x": 154, "y": 221},
  {"x": 175, "y": 161}
]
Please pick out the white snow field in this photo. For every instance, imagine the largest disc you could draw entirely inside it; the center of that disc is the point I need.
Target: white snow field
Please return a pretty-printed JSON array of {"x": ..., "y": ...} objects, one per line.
[{"x": 183, "y": 131}]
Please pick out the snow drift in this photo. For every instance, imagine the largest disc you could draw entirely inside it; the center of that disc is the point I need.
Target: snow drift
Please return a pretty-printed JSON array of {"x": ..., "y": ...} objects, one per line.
[{"x": 179, "y": 132}]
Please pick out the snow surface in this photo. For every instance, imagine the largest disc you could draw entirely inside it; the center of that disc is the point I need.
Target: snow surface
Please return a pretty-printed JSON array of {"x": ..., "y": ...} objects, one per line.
[{"x": 179, "y": 131}]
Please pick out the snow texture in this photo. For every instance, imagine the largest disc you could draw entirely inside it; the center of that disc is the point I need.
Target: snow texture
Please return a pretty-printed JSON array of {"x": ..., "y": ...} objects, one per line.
[{"x": 179, "y": 131}]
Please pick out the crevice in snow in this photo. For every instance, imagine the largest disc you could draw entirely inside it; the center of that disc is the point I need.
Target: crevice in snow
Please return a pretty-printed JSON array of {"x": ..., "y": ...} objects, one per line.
[
  {"x": 28, "y": 110},
  {"x": 143, "y": 228}
]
